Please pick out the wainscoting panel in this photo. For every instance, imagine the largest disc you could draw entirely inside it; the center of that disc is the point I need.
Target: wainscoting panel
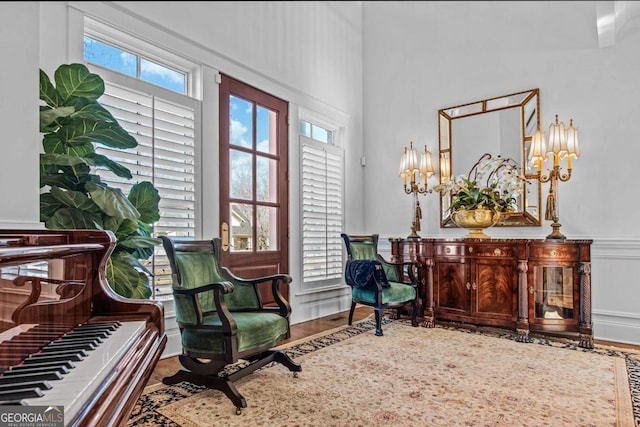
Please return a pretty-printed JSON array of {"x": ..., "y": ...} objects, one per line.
[{"x": 615, "y": 282}]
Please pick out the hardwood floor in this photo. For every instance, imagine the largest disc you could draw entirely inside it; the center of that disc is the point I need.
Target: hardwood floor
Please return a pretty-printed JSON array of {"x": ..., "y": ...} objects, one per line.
[{"x": 170, "y": 365}]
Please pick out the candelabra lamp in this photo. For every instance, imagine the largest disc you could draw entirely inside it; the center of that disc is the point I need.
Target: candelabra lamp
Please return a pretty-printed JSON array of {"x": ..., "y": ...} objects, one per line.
[
  {"x": 415, "y": 174},
  {"x": 562, "y": 144}
]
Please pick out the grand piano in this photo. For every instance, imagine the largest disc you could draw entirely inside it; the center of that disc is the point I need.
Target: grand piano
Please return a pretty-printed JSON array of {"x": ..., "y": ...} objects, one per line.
[{"x": 66, "y": 339}]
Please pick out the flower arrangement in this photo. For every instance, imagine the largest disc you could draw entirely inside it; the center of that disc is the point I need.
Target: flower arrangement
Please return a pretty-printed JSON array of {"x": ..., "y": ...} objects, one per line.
[{"x": 493, "y": 183}]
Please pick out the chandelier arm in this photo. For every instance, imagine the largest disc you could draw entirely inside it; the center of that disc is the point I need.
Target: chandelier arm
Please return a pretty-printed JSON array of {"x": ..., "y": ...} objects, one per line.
[
  {"x": 544, "y": 178},
  {"x": 565, "y": 177},
  {"x": 423, "y": 190}
]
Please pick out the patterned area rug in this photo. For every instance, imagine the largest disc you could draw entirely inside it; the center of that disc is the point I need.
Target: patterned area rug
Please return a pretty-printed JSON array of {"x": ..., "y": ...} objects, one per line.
[{"x": 441, "y": 376}]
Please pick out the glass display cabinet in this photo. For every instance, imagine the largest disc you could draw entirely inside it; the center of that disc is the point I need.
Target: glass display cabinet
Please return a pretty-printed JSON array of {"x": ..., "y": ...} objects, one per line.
[
  {"x": 559, "y": 288},
  {"x": 553, "y": 289}
]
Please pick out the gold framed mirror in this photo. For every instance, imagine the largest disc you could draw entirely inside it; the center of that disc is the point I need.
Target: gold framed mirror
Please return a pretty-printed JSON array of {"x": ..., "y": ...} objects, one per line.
[{"x": 504, "y": 126}]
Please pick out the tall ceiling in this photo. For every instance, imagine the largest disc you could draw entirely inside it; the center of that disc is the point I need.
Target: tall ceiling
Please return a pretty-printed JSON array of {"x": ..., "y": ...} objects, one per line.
[{"x": 615, "y": 19}]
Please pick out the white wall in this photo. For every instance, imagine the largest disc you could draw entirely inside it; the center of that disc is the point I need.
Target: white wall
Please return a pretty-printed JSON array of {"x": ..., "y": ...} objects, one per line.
[
  {"x": 20, "y": 141},
  {"x": 420, "y": 57}
]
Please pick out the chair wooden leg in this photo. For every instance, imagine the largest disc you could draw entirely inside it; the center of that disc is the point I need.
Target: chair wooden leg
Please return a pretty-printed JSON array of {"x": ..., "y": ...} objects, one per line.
[
  {"x": 378, "y": 312},
  {"x": 414, "y": 313},
  {"x": 206, "y": 374},
  {"x": 284, "y": 359},
  {"x": 353, "y": 309},
  {"x": 213, "y": 382}
]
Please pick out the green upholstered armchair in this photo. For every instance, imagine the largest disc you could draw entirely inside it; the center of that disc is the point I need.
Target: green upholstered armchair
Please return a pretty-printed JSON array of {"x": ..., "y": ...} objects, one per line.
[
  {"x": 222, "y": 319},
  {"x": 379, "y": 283}
]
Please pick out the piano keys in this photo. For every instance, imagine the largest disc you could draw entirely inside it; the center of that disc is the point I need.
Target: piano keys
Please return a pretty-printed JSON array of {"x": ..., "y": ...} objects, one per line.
[{"x": 88, "y": 350}]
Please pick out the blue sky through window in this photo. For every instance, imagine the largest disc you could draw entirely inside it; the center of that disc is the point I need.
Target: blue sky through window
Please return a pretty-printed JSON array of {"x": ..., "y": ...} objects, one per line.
[{"x": 114, "y": 58}]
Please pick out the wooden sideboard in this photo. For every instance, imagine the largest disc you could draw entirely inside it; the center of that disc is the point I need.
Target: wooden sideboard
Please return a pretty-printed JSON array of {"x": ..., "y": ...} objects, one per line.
[{"x": 528, "y": 285}]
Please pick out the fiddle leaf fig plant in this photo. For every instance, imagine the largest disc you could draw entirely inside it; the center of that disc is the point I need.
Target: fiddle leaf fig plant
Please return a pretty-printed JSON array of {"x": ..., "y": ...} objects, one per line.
[{"x": 73, "y": 196}]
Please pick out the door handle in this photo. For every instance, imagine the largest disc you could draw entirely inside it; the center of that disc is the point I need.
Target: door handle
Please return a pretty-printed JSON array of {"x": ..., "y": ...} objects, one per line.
[{"x": 224, "y": 233}]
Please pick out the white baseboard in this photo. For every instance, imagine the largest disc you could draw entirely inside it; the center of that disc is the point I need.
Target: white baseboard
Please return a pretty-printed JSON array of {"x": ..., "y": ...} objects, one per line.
[
  {"x": 316, "y": 308},
  {"x": 174, "y": 344},
  {"x": 616, "y": 327}
]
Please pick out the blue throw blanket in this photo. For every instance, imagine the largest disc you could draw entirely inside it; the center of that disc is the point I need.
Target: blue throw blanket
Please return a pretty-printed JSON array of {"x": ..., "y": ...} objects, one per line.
[{"x": 363, "y": 273}]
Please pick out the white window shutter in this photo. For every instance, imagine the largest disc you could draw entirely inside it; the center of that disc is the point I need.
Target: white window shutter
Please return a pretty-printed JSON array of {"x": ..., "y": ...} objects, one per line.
[
  {"x": 165, "y": 156},
  {"x": 322, "y": 211}
]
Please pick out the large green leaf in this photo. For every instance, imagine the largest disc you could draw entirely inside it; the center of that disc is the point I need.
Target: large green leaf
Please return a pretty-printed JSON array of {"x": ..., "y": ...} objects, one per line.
[
  {"x": 67, "y": 177},
  {"x": 113, "y": 224},
  {"x": 145, "y": 197},
  {"x": 134, "y": 242},
  {"x": 124, "y": 228},
  {"x": 144, "y": 253},
  {"x": 70, "y": 218},
  {"x": 74, "y": 199},
  {"x": 59, "y": 180},
  {"x": 90, "y": 109},
  {"x": 112, "y": 201},
  {"x": 62, "y": 160},
  {"x": 75, "y": 80},
  {"x": 82, "y": 130},
  {"x": 145, "y": 230},
  {"x": 48, "y": 92},
  {"x": 48, "y": 206},
  {"x": 116, "y": 168},
  {"x": 48, "y": 116},
  {"x": 125, "y": 279},
  {"x": 54, "y": 144}
]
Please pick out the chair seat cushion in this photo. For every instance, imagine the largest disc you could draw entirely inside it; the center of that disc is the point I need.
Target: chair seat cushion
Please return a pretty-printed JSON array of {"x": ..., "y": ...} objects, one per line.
[
  {"x": 254, "y": 330},
  {"x": 396, "y": 293}
]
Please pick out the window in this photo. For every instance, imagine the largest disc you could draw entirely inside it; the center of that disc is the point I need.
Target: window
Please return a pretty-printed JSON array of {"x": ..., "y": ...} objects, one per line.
[
  {"x": 322, "y": 205},
  {"x": 315, "y": 132},
  {"x": 109, "y": 56},
  {"x": 147, "y": 99}
]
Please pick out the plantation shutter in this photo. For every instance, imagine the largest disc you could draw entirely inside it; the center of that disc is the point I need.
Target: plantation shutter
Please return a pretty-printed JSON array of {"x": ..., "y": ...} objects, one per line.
[
  {"x": 165, "y": 156},
  {"x": 322, "y": 211}
]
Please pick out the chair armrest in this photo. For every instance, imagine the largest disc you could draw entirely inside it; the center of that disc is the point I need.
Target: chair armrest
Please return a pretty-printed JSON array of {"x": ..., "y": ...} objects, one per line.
[
  {"x": 256, "y": 280},
  {"x": 219, "y": 289},
  {"x": 412, "y": 269},
  {"x": 284, "y": 308}
]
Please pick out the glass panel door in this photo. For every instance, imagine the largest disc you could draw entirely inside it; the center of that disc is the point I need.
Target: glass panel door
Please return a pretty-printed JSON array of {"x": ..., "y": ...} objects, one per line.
[{"x": 553, "y": 292}]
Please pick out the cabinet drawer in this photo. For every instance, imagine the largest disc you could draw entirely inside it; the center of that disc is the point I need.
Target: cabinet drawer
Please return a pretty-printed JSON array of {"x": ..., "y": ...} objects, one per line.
[
  {"x": 494, "y": 251},
  {"x": 449, "y": 250},
  {"x": 554, "y": 252},
  {"x": 477, "y": 250}
]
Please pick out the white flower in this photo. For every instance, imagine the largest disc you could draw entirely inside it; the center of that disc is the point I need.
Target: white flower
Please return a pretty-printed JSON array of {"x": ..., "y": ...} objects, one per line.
[{"x": 492, "y": 183}]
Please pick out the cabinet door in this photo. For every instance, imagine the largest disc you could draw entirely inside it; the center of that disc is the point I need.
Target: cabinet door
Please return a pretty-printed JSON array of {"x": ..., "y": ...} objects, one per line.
[
  {"x": 553, "y": 297},
  {"x": 450, "y": 282},
  {"x": 493, "y": 290}
]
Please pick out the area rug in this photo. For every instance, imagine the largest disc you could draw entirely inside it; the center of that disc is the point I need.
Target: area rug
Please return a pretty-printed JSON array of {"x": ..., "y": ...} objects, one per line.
[{"x": 440, "y": 376}]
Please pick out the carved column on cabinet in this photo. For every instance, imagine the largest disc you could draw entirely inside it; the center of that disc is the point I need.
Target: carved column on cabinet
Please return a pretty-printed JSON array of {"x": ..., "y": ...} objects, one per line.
[
  {"x": 522, "y": 327},
  {"x": 429, "y": 317},
  {"x": 586, "y": 331}
]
